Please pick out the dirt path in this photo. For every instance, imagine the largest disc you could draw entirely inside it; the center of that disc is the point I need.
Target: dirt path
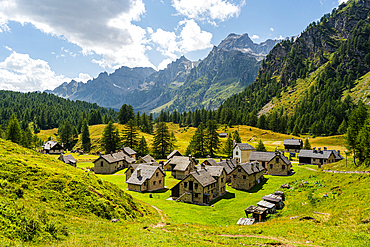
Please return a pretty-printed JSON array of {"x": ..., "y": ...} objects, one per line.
[{"x": 287, "y": 242}]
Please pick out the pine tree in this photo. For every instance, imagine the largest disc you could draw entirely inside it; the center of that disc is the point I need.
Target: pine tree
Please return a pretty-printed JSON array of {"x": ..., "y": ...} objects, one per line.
[
  {"x": 85, "y": 136},
  {"x": 197, "y": 145},
  {"x": 261, "y": 147},
  {"x": 236, "y": 137},
  {"x": 342, "y": 129},
  {"x": 13, "y": 132},
  {"x": 142, "y": 148},
  {"x": 212, "y": 138},
  {"x": 307, "y": 144},
  {"x": 228, "y": 146},
  {"x": 130, "y": 135},
  {"x": 125, "y": 114},
  {"x": 65, "y": 132},
  {"x": 27, "y": 138},
  {"x": 161, "y": 140},
  {"x": 111, "y": 139},
  {"x": 173, "y": 140}
]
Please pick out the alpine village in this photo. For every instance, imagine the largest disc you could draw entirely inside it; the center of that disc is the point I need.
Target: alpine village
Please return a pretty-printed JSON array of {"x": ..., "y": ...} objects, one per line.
[{"x": 229, "y": 150}]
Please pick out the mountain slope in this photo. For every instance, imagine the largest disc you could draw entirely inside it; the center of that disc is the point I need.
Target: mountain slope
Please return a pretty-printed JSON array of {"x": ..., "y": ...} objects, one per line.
[
  {"x": 237, "y": 58},
  {"x": 303, "y": 80}
]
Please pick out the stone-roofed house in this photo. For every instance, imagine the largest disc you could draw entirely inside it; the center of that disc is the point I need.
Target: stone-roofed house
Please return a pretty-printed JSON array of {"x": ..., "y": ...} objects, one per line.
[
  {"x": 131, "y": 168},
  {"x": 229, "y": 165},
  {"x": 293, "y": 145},
  {"x": 319, "y": 156},
  {"x": 210, "y": 162},
  {"x": 146, "y": 159},
  {"x": 68, "y": 159},
  {"x": 146, "y": 178},
  {"x": 110, "y": 163},
  {"x": 241, "y": 152},
  {"x": 128, "y": 151},
  {"x": 52, "y": 147},
  {"x": 246, "y": 175},
  {"x": 173, "y": 154},
  {"x": 201, "y": 186},
  {"x": 274, "y": 162},
  {"x": 180, "y": 166}
]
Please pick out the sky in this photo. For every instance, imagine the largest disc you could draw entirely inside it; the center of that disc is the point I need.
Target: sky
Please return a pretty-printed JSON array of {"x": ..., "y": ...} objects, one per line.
[{"x": 44, "y": 43}]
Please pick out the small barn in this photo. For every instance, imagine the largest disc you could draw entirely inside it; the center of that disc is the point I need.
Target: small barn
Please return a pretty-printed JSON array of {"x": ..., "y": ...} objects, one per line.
[
  {"x": 257, "y": 212},
  {"x": 68, "y": 159},
  {"x": 293, "y": 145},
  {"x": 52, "y": 147}
]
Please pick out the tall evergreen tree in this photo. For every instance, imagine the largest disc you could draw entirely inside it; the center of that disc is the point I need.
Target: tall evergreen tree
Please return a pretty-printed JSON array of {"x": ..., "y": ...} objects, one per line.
[
  {"x": 173, "y": 140},
  {"x": 85, "y": 136},
  {"x": 161, "y": 140},
  {"x": 307, "y": 144},
  {"x": 111, "y": 138},
  {"x": 27, "y": 138},
  {"x": 65, "y": 132},
  {"x": 228, "y": 146},
  {"x": 236, "y": 137},
  {"x": 142, "y": 148},
  {"x": 13, "y": 132},
  {"x": 197, "y": 145},
  {"x": 125, "y": 114},
  {"x": 261, "y": 147},
  {"x": 212, "y": 138},
  {"x": 130, "y": 135}
]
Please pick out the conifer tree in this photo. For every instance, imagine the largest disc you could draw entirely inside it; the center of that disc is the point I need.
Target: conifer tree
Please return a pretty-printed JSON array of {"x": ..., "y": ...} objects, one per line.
[
  {"x": 142, "y": 148},
  {"x": 161, "y": 140},
  {"x": 27, "y": 138},
  {"x": 85, "y": 136},
  {"x": 236, "y": 137},
  {"x": 173, "y": 140},
  {"x": 65, "y": 132},
  {"x": 307, "y": 144},
  {"x": 261, "y": 147},
  {"x": 212, "y": 138},
  {"x": 111, "y": 138},
  {"x": 13, "y": 132},
  {"x": 197, "y": 145},
  {"x": 228, "y": 146},
  {"x": 125, "y": 114},
  {"x": 130, "y": 135}
]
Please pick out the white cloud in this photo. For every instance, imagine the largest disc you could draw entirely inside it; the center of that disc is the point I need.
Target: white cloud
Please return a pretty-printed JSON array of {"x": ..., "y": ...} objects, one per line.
[
  {"x": 271, "y": 29},
  {"x": 102, "y": 27},
  {"x": 254, "y": 37},
  {"x": 342, "y": 1},
  {"x": 83, "y": 77},
  {"x": 279, "y": 38},
  {"x": 164, "y": 63},
  {"x": 190, "y": 38},
  {"x": 208, "y": 10},
  {"x": 8, "y": 48},
  {"x": 19, "y": 72}
]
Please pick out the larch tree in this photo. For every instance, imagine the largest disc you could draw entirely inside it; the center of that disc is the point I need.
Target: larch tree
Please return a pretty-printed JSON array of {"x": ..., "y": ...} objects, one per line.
[
  {"x": 307, "y": 144},
  {"x": 236, "y": 137},
  {"x": 142, "y": 148},
  {"x": 212, "y": 138},
  {"x": 197, "y": 145},
  {"x": 130, "y": 135},
  {"x": 111, "y": 138},
  {"x": 161, "y": 140},
  {"x": 261, "y": 147},
  {"x": 13, "y": 131},
  {"x": 228, "y": 146},
  {"x": 85, "y": 136}
]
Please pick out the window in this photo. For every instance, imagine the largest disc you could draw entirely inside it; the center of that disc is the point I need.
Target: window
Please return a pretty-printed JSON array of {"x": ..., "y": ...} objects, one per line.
[
  {"x": 222, "y": 180},
  {"x": 239, "y": 170},
  {"x": 244, "y": 177},
  {"x": 185, "y": 184},
  {"x": 102, "y": 164},
  {"x": 157, "y": 174},
  {"x": 237, "y": 152},
  {"x": 154, "y": 183},
  {"x": 234, "y": 176},
  {"x": 160, "y": 181},
  {"x": 283, "y": 167},
  {"x": 196, "y": 195},
  {"x": 195, "y": 185},
  {"x": 277, "y": 160},
  {"x": 271, "y": 166}
]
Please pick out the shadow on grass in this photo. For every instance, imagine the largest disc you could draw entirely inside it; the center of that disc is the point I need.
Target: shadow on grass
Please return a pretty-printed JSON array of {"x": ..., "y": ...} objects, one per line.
[
  {"x": 164, "y": 190},
  {"x": 227, "y": 196},
  {"x": 258, "y": 187}
]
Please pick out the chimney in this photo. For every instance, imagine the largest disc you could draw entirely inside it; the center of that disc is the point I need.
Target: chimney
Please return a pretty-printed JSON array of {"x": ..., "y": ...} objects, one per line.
[
  {"x": 319, "y": 149},
  {"x": 111, "y": 152},
  {"x": 338, "y": 152},
  {"x": 208, "y": 156},
  {"x": 325, "y": 148},
  {"x": 202, "y": 166},
  {"x": 62, "y": 144},
  {"x": 138, "y": 173},
  {"x": 220, "y": 158},
  {"x": 190, "y": 157},
  {"x": 314, "y": 149}
]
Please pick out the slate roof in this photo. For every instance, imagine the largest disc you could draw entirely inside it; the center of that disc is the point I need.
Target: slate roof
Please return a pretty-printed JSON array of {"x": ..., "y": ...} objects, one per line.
[
  {"x": 147, "y": 158},
  {"x": 136, "y": 165},
  {"x": 204, "y": 177},
  {"x": 211, "y": 161},
  {"x": 173, "y": 154},
  {"x": 146, "y": 172},
  {"x": 228, "y": 164},
  {"x": 272, "y": 198},
  {"x": 244, "y": 146},
  {"x": 267, "y": 156},
  {"x": 67, "y": 159},
  {"x": 215, "y": 171},
  {"x": 251, "y": 168},
  {"x": 316, "y": 154},
  {"x": 128, "y": 150},
  {"x": 50, "y": 144},
  {"x": 265, "y": 204},
  {"x": 116, "y": 157},
  {"x": 181, "y": 162},
  {"x": 293, "y": 142}
]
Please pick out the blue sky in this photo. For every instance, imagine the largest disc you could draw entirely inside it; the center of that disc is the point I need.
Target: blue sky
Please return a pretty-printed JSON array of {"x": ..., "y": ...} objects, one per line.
[{"x": 44, "y": 43}]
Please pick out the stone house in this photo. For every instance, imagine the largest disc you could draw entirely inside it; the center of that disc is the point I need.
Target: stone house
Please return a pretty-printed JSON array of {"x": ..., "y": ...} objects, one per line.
[
  {"x": 173, "y": 154},
  {"x": 229, "y": 165},
  {"x": 201, "y": 186},
  {"x": 68, "y": 159},
  {"x": 246, "y": 175},
  {"x": 128, "y": 151},
  {"x": 210, "y": 162},
  {"x": 275, "y": 163},
  {"x": 318, "y": 156},
  {"x": 293, "y": 145},
  {"x": 180, "y": 166},
  {"x": 131, "y": 168},
  {"x": 110, "y": 163},
  {"x": 52, "y": 147},
  {"x": 146, "y": 178},
  {"x": 241, "y": 152},
  {"x": 146, "y": 159}
]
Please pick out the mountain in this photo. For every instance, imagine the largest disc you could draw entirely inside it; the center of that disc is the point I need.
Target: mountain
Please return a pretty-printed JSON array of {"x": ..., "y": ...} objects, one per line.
[
  {"x": 303, "y": 81},
  {"x": 183, "y": 85}
]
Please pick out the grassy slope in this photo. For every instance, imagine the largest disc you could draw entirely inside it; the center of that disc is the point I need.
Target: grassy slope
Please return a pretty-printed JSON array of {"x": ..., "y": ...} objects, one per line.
[
  {"x": 248, "y": 134},
  {"x": 361, "y": 90}
]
